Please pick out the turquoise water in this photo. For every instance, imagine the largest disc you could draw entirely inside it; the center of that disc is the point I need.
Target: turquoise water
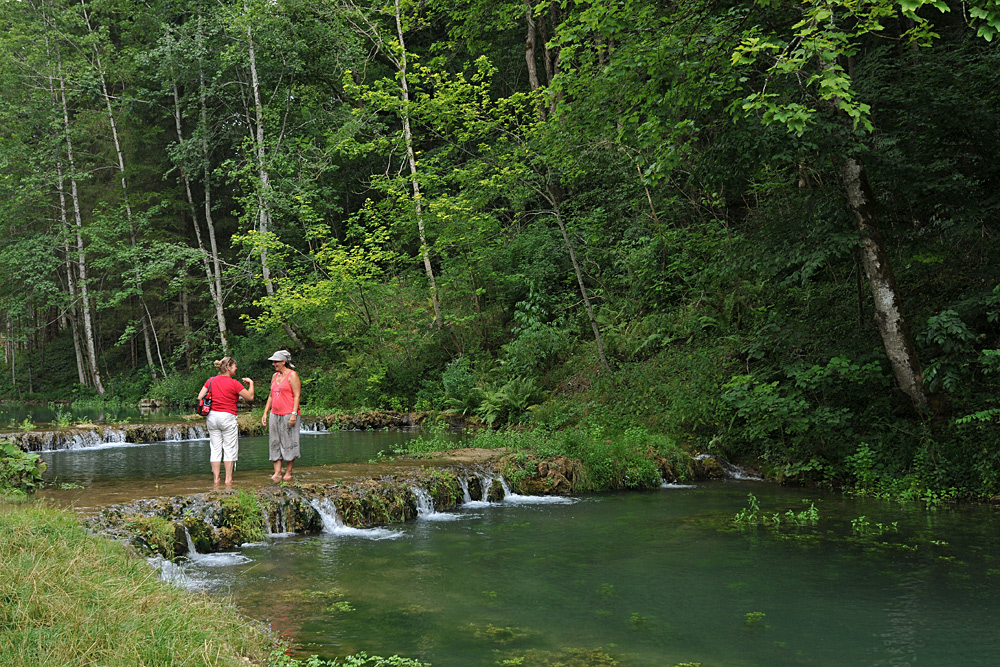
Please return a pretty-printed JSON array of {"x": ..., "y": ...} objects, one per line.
[
  {"x": 652, "y": 578},
  {"x": 125, "y": 463}
]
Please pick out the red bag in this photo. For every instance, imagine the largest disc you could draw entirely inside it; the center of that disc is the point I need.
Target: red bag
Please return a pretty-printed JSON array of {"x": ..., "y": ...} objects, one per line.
[{"x": 205, "y": 404}]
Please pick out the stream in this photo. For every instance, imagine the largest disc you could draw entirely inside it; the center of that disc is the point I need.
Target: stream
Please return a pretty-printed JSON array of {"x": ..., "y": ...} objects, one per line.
[{"x": 646, "y": 578}]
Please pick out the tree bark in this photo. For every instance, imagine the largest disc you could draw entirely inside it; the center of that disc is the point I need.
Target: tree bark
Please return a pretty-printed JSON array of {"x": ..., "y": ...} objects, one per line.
[
  {"x": 207, "y": 185},
  {"x": 88, "y": 325},
  {"x": 263, "y": 206},
  {"x": 210, "y": 278},
  {"x": 411, "y": 156},
  {"x": 556, "y": 199},
  {"x": 892, "y": 327},
  {"x": 147, "y": 323}
]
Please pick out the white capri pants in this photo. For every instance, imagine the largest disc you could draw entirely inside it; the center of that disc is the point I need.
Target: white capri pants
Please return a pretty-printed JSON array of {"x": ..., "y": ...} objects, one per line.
[{"x": 223, "y": 436}]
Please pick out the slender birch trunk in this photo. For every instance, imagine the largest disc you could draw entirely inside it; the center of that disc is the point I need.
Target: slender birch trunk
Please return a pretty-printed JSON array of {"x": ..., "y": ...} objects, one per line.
[
  {"x": 71, "y": 310},
  {"x": 556, "y": 201},
  {"x": 264, "y": 193},
  {"x": 144, "y": 314},
  {"x": 214, "y": 285},
  {"x": 207, "y": 185},
  {"x": 70, "y": 280},
  {"x": 892, "y": 326},
  {"x": 88, "y": 325},
  {"x": 411, "y": 157}
]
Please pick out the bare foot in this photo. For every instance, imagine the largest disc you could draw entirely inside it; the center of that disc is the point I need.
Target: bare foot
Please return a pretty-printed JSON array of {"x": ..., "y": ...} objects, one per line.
[
  {"x": 216, "y": 481},
  {"x": 287, "y": 478},
  {"x": 276, "y": 476},
  {"x": 229, "y": 482}
]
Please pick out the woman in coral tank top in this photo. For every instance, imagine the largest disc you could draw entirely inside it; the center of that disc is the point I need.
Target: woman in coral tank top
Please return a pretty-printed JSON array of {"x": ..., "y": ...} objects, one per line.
[{"x": 283, "y": 408}]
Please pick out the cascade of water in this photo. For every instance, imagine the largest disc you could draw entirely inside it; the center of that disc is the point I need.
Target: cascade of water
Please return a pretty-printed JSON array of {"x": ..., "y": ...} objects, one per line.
[
  {"x": 328, "y": 514},
  {"x": 170, "y": 572},
  {"x": 192, "y": 549},
  {"x": 732, "y": 471},
  {"x": 425, "y": 504},
  {"x": 313, "y": 427},
  {"x": 463, "y": 482}
]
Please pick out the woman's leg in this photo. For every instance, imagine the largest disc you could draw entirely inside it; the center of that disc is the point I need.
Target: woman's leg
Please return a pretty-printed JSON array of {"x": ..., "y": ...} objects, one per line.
[
  {"x": 230, "y": 445},
  {"x": 288, "y": 470},
  {"x": 277, "y": 470},
  {"x": 215, "y": 438}
]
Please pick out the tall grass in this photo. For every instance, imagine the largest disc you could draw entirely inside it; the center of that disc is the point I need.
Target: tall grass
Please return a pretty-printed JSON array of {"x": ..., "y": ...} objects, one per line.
[{"x": 68, "y": 598}]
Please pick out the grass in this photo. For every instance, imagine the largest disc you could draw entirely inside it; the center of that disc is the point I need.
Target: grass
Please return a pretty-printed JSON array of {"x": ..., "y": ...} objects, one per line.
[
  {"x": 69, "y": 598},
  {"x": 612, "y": 459}
]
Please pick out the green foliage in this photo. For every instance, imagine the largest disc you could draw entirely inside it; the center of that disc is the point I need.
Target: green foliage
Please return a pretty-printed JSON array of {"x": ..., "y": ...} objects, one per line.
[
  {"x": 751, "y": 515},
  {"x": 154, "y": 535},
  {"x": 509, "y": 403},
  {"x": 863, "y": 527},
  {"x": 20, "y": 471},
  {"x": 243, "y": 513}
]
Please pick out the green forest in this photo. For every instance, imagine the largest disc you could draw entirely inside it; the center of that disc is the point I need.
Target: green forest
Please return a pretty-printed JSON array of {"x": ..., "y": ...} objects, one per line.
[{"x": 762, "y": 230}]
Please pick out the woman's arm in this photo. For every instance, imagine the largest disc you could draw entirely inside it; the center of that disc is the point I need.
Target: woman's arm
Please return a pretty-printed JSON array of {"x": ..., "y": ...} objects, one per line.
[
  {"x": 204, "y": 390},
  {"x": 247, "y": 393},
  {"x": 267, "y": 407},
  {"x": 296, "y": 386}
]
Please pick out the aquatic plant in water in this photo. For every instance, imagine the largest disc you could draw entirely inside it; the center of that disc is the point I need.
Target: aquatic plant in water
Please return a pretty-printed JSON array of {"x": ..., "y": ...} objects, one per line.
[{"x": 752, "y": 515}]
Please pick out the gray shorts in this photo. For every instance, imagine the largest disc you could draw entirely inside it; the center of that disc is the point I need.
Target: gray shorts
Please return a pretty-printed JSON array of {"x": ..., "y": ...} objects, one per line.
[{"x": 283, "y": 442}]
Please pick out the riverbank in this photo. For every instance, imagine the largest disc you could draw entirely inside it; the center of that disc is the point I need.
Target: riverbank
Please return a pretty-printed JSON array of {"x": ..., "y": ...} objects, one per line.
[{"x": 71, "y": 598}]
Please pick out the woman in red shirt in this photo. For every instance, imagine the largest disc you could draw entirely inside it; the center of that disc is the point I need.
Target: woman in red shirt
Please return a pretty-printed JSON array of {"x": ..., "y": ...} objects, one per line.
[{"x": 223, "y": 431}]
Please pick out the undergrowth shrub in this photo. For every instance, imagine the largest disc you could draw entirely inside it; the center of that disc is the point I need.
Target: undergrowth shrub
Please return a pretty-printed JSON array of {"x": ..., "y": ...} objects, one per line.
[{"x": 20, "y": 472}]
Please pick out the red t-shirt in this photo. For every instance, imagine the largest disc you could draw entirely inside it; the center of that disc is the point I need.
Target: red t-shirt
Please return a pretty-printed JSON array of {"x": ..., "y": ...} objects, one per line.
[{"x": 225, "y": 392}]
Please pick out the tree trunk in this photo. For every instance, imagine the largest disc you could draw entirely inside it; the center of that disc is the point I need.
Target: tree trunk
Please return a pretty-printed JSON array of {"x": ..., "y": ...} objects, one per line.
[
  {"x": 411, "y": 156},
  {"x": 146, "y": 325},
  {"x": 88, "y": 325},
  {"x": 207, "y": 176},
  {"x": 70, "y": 280},
  {"x": 263, "y": 206},
  {"x": 892, "y": 327},
  {"x": 210, "y": 279},
  {"x": 556, "y": 200}
]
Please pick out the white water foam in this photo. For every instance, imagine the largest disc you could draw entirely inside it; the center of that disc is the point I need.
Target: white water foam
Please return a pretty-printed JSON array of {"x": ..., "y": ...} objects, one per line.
[
  {"x": 170, "y": 572},
  {"x": 463, "y": 482},
  {"x": 518, "y": 499},
  {"x": 512, "y": 498},
  {"x": 313, "y": 428},
  {"x": 673, "y": 485},
  {"x": 732, "y": 471},
  {"x": 425, "y": 507},
  {"x": 220, "y": 559},
  {"x": 334, "y": 525}
]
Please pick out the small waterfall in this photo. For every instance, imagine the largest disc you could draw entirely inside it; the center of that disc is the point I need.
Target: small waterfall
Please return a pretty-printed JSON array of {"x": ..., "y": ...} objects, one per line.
[
  {"x": 731, "y": 470},
  {"x": 463, "y": 482},
  {"x": 425, "y": 507},
  {"x": 333, "y": 524},
  {"x": 425, "y": 504},
  {"x": 192, "y": 553},
  {"x": 328, "y": 514},
  {"x": 313, "y": 427},
  {"x": 170, "y": 572},
  {"x": 276, "y": 523}
]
